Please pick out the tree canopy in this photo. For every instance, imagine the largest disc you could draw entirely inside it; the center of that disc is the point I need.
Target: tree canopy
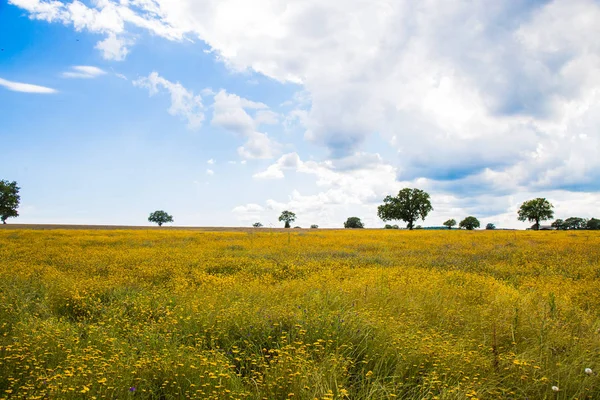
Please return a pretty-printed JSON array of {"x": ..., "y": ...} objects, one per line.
[
  {"x": 408, "y": 206},
  {"x": 593, "y": 224},
  {"x": 559, "y": 224},
  {"x": 536, "y": 210},
  {"x": 575, "y": 223},
  {"x": 353, "y": 222},
  {"x": 450, "y": 223},
  {"x": 9, "y": 200},
  {"x": 287, "y": 217},
  {"x": 160, "y": 217},
  {"x": 257, "y": 225},
  {"x": 469, "y": 223},
  {"x": 490, "y": 226}
]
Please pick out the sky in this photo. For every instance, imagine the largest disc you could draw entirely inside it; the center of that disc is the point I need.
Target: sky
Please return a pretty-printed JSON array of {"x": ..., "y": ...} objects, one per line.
[{"x": 227, "y": 112}]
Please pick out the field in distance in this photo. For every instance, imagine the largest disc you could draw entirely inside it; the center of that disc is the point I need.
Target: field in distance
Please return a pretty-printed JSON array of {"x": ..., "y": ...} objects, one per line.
[{"x": 326, "y": 314}]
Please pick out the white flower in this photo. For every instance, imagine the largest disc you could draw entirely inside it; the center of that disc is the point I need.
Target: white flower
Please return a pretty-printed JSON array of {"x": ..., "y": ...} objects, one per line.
[
  {"x": 555, "y": 388},
  {"x": 589, "y": 371}
]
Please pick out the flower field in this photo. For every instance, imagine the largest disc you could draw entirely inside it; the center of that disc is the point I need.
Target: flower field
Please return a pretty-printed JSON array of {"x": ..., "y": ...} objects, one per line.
[{"x": 319, "y": 314}]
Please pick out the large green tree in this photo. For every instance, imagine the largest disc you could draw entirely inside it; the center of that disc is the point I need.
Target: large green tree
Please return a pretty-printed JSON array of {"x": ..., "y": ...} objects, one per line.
[
  {"x": 469, "y": 223},
  {"x": 160, "y": 217},
  {"x": 353, "y": 222},
  {"x": 536, "y": 210},
  {"x": 593, "y": 224},
  {"x": 575, "y": 223},
  {"x": 9, "y": 200},
  {"x": 408, "y": 206},
  {"x": 287, "y": 217}
]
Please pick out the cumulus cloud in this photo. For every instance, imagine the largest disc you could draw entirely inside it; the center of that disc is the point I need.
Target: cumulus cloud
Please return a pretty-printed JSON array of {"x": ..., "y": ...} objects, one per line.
[
  {"x": 209, "y": 172},
  {"x": 183, "y": 102},
  {"x": 25, "y": 87},
  {"x": 462, "y": 91},
  {"x": 249, "y": 212},
  {"x": 338, "y": 190},
  {"x": 83, "y": 71},
  {"x": 113, "y": 47},
  {"x": 243, "y": 117},
  {"x": 275, "y": 171}
]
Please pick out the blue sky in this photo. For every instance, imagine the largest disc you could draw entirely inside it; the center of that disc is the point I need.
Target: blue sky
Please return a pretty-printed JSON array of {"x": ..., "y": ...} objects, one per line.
[{"x": 227, "y": 112}]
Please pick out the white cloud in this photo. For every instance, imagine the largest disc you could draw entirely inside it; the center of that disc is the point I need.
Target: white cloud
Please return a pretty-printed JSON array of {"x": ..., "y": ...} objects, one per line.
[
  {"x": 104, "y": 17},
  {"x": 210, "y": 172},
  {"x": 183, "y": 102},
  {"x": 211, "y": 161},
  {"x": 503, "y": 94},
  {"x": 275, "y": 171},
  {"x": 249, "y": 213},
  {"x": 25, "y": 87},
  {"x": 259, "y": 146},
  {"x": 84, "y": 71},
  {"x": 234, "y": 114},
  {"x": 113, "y": 47}
]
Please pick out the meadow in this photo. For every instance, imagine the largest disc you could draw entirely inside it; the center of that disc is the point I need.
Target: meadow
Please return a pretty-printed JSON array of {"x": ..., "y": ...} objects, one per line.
[{"x": 311, "y": 314}]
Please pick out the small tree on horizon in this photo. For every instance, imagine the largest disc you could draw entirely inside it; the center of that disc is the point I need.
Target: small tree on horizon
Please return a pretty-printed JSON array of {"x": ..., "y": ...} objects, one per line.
[
  {"x": 9, "y": 200},
  {"x": 287, "y": 217},
  {"x": 257, "y": 225},
  {"x": 450, "y": 223},
  {"x": 536, "y": 210},
  {"x": 490, "y": 227},
  {"x": 314, "y": 226},
  {"x": 160, "y": 217},
  {"x": 353, "y": 222},
  {"x": 469, "y": 223},
  {"x": 408, "y": 206}
]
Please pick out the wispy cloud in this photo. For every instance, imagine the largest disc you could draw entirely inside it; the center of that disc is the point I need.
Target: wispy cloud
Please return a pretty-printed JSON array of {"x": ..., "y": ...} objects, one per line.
[
  {"x": 84, "y": 72},
  {"x": 183, "y": 102},
  {"x": 25, "y": 87}
]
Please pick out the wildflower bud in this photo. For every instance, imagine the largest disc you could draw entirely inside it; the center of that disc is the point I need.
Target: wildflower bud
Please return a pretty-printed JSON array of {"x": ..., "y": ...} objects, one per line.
[
  {"x": 555, "y": 388},
  {"x": 589, "y": 371}
]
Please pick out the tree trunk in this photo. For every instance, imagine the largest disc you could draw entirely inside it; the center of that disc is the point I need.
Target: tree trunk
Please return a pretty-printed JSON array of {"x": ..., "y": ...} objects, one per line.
[
  {"x": 410, "y": 225},
  {"x": 159, "y": 224},
  {"x": 4, "y": 221},
  {"x": 287, "y": 224}
]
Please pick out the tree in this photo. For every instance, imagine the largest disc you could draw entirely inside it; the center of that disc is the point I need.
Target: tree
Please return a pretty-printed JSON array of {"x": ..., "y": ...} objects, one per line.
[
  {"x": 408, "y": 206},
  {"x": 536, "y": 210},
  {"x": 287, "y": 217},
  {"x": 490, "y": 227},
  {"x": 353, "y": 222},
  {"x": 257, "y": 225},
  {"x": 559, "y": 224},
  {"x": 575, "y": 223},
  {"x": 593, "y": 224},
  {"x": 160, "y": 217},
  {"x": 388, "y": 226},
  {"x": 450, "y": 223},
  {"x": 314, "y": 226},
  {"x": 9, "y": 200},
  {"x": 469, "y": 223}
]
